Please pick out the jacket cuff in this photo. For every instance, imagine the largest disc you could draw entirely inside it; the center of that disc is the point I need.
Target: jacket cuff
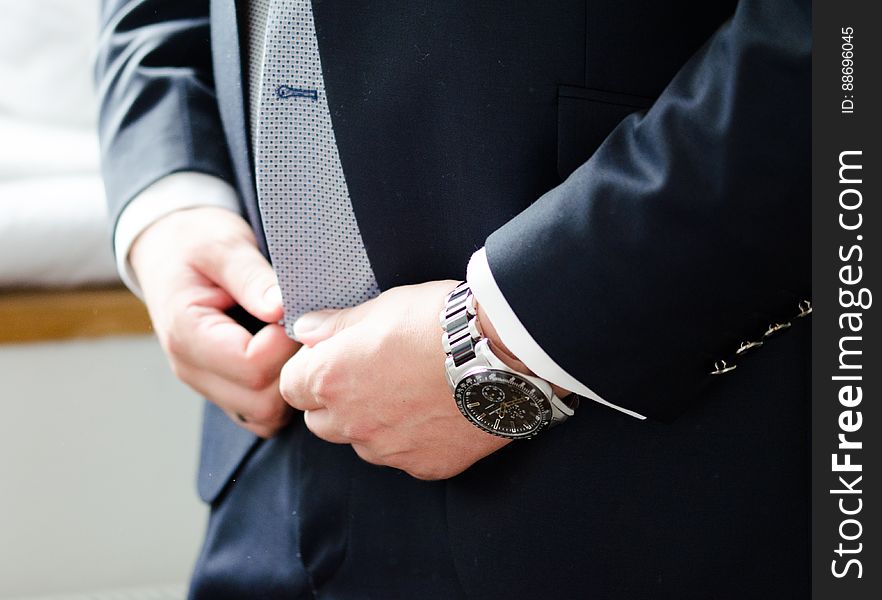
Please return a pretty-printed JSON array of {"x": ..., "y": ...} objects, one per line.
[{"x": 516, "y": 337}]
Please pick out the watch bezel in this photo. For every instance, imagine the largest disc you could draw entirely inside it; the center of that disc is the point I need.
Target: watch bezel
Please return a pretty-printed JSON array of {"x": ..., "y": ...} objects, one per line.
[{"x": 464, "y": 383}]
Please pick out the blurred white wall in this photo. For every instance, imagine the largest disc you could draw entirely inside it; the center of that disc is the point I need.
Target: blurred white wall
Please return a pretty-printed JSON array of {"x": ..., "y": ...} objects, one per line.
[
  {"x": 47, "y": 48},
  {"x": 98, "y": 451},
  {"x": 98, "y": 442},
  {"x": 53, "y": 220}
]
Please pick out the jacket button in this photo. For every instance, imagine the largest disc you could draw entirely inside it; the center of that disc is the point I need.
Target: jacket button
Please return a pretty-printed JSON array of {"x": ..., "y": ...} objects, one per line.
[
  {"x": 721, "y": 367},
  {"x": 747, "y": 347},
  {"x": 775, "y": 328}
]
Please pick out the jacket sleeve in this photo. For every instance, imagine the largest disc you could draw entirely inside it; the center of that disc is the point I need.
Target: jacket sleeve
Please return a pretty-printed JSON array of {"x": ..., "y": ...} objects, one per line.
[
  {"x": 688, "y": 230},
  {"x": 158, "y": 110}
]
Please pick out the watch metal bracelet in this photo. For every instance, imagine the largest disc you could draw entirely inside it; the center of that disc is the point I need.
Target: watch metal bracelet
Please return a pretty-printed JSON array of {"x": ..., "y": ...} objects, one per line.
[{"x": 460, "y": 324}]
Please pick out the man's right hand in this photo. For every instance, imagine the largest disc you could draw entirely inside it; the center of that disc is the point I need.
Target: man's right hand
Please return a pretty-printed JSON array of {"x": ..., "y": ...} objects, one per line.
[{"x": 192, "y": 266}]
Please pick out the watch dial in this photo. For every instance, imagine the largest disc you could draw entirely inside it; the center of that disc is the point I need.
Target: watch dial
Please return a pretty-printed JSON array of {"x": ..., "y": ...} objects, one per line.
[{"x": 503, "y": 403}]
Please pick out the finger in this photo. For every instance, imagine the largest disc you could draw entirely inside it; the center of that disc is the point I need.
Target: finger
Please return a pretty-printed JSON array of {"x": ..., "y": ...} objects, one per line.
[
  {"x": 264, "y": 407},
  {"x": 314, "y": 327},
  {"x": 317, "y": 326},
  {"x": 263, "y": 431},
  {"x": 300, "y": 384},
  {"x": 210, "y": 340},
  {"x": 270, "y": 348},
  {"x": 239, "y": 268},
  {"x": 322, "y": 424},
  {"x": 262, "y": 412}
]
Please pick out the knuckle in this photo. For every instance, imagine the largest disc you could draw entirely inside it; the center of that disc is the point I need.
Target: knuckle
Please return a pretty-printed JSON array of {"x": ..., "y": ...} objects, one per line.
[
  {"x": 288, "y": 381},
  {"x": 257, "y": 378},
  {"x": 269, "y": 413},
  {"x": 366, "y": 455},
  {"x": 174, "y": 345},
  {"x": 264, "y": 431},
  {"x": 325, "y": 383},
  {"x": 428, "y": 470},
  {"x": 177, "y": 334},
  {"x": 257, "y": 278},
  {"x": 289, "y": 397},
  {"x": 420, "y": 474},
  {"x": 426, "y": 473},
  {"x": 211, "y": 252},
  {"x": 221, "y": 243},
  {"x": 358, "y": 431}
]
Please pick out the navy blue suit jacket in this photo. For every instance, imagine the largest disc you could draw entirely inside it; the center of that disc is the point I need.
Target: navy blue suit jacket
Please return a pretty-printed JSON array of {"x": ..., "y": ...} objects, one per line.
[{"x": 637, "y": 170}]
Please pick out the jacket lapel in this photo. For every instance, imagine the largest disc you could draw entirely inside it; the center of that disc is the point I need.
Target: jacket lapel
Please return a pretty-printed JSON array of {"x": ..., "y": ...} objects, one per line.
[
  {"x": 232, "y": 101},
  {"x": 224, "y": 444}
]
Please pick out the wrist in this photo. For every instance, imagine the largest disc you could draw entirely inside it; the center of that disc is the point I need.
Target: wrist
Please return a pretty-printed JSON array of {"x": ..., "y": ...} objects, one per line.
[
  {"x": 485, "y": 326},
  {"x": 503, "y": 353}
]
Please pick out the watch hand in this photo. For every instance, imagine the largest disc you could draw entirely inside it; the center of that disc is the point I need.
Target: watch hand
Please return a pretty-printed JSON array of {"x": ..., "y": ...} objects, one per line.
[
  {"x": 502, "y": 407},
  {"x": 514, "y": 402}
]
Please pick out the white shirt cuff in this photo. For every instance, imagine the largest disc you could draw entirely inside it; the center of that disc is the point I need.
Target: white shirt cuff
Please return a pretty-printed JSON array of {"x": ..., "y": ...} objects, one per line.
[
  {"x": 173, "y": 192},
  {"x": 516, "y": 337}
]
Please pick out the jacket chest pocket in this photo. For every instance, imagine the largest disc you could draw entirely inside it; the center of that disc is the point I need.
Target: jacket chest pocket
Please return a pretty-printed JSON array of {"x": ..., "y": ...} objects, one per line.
[{"x": 585, "y": 117}]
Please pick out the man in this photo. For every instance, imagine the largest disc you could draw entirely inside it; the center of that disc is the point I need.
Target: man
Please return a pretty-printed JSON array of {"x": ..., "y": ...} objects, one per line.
[{"x": 625, "y": 188}]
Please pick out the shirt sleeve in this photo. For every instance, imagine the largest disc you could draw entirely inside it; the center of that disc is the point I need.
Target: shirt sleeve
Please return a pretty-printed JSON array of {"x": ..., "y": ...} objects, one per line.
[
  {"x": 173, "y": 192},
  {"x": 516, "y": 337}
]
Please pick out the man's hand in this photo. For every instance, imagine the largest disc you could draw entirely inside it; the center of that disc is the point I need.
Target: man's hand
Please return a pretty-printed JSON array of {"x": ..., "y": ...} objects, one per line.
[
  {"x": 373, "y": 376},
  {"x": 192, "y": 266}
]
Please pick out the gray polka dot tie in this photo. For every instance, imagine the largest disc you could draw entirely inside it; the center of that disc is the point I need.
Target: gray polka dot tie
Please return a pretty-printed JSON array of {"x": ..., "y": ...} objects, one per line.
[{"x": 313, "y": 238}]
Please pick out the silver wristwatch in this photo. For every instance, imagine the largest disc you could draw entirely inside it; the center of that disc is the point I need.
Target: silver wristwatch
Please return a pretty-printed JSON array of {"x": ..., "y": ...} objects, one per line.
[{"x": 489, "y": 393}]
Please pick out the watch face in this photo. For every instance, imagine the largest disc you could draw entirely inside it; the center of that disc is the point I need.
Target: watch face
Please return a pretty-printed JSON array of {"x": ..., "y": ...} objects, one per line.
[{"x": 503, "y": 403}]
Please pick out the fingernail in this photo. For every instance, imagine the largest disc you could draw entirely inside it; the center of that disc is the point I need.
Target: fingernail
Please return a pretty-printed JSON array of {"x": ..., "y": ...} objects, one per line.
[
  {"x": 273, "y": 296},
  {"x": 308, "y": 322}
]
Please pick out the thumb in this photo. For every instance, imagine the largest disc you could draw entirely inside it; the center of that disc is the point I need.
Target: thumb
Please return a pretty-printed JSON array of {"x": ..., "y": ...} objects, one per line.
[
  {"x": 317, "y": 326},
  {"x": 243, "y": 272}
]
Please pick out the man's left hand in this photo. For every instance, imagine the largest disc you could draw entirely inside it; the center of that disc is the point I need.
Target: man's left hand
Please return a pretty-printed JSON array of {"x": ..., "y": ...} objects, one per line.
[{"x": 373, "y": 376}]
